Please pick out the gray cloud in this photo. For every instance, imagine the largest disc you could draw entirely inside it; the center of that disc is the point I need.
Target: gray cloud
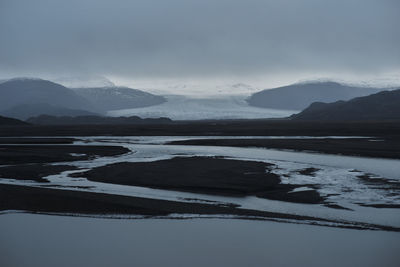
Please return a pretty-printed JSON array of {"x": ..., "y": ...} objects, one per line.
[{"x": 185, "y": 38}]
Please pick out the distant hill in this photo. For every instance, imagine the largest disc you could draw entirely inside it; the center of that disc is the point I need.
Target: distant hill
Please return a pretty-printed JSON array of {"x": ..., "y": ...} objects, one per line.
[
  {"x": 113, "y": 98},
  {"x": 90, "y": 120},
  {"x": 380, "y": 106},
  {"x": 83, "y": 80},
  {"x": 23, "y": 91},
  {"x": 26, "y": 111},
  {"x": 23, "y": 98},
  {"x": 10, "y": 121},
  {"x": 300, "y": 96}
]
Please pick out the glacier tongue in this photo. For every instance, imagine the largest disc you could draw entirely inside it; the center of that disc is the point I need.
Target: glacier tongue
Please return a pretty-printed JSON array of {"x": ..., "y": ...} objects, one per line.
[{"x": 189, "y": 108}]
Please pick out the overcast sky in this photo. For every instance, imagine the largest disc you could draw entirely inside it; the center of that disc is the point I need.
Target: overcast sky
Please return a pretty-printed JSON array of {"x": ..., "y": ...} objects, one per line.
[{"x": 202, "y": 39}]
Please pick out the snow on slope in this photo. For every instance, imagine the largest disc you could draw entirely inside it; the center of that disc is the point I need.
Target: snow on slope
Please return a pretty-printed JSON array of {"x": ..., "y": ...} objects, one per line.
[{"x": 221, "y": 107}]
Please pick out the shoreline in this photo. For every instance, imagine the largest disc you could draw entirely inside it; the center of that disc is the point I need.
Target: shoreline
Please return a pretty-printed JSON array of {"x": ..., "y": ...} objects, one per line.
[
  {"x": 218, "y": 127},
  {"x": 61, "y": 202},
  {"x": 211, "y": 175},
  {"x": 361, "y": 147}
]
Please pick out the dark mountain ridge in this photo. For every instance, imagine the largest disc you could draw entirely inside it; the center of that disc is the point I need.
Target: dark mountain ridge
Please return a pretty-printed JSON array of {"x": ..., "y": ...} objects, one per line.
[
  {"x": 300, "y": 96},
  {"x": 115, "y": 97},
  {"x": 21, "y": 91},
  {"x": 10, "y": 121},
  {"x": 94, "y": 120},
  {"x": 22, "y": 98},
  {"x": 25, "y": 111},
  {"x": 380, "y": 106}
]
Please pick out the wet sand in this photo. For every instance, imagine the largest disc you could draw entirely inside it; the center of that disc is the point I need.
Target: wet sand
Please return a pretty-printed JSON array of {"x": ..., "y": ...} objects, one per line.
[
  {"x": 364, "y": 147},
  {"x": 34, "y": 172},
  {"x": 79, "y": 203},
  {"x": 218, "y": 176},
  {"x": 24, "y": 154},
  {"x": 37, "y": 199},
  {"x": 218, "y": 127},
  {"x": 36, "y": 140},
  {"x": 206, "y": 175}
]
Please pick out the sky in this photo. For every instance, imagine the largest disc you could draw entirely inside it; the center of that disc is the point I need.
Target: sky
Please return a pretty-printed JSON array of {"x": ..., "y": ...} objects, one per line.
[{"x": 265, "y": 43}]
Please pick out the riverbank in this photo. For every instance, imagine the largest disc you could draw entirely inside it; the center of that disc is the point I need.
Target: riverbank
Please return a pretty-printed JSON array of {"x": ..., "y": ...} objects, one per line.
[
  {"x": 262, "y": 127},
  {"x": 80, "y": 203},
  {"x": 154, "y": 179},
  {"x": 363, "y": 147}
]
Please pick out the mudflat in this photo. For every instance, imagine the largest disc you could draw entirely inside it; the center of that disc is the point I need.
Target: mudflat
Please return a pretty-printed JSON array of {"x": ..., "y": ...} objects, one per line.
[
  {"x": 45, "y": 200},
  {"x": 36, "y": 140},
  {"x": 365, "y": 147},
  {"x": 262, "y": 127},
  {"x": 24, "y": 154},
  {"x": 35, "y": 171},
  {"x": 207, "y": 175}
]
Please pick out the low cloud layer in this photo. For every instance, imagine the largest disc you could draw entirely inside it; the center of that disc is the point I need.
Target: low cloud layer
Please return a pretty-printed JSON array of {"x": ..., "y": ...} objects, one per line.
[{"x": 147, "y": 39}]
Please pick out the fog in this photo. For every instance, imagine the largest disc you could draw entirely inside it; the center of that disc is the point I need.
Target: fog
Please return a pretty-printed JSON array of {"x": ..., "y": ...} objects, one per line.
[{"x": 268, "y": 42}]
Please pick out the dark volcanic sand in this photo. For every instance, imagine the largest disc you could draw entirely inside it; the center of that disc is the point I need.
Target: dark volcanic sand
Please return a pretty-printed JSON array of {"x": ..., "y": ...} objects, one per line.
[
  {"x": 36, "y": 140},
  {"x": 217, "y": 127},
  {"x": 348, "y": 146},
  {"x": 13, "y": 197},
  {"x": 199, "y": 174},
  {"x": 23, "y": 154},
  {"x": 47, "y": 200},
  {"x": 206, "y": 175},
  {"x": 308, "y": 171},
  {"x": 383, "y": 206},
  {"x": 34, "y": 171},
  {"x": 369, "y": 179}
]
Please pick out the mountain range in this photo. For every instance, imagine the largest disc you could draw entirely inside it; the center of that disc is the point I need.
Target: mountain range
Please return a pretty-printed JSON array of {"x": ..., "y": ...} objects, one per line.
[
  {"x": 25, "y": 111},
  {"x": 113, "y": 98},
  {"x": 22, "y": 98},
  {"x": 23, "y": 91},
  {"x": 301, "y": 95},
  {"x": 94, "y": 120},
  {"x": 4, "y": 121},
  {"x": 384, "y": 105}
]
